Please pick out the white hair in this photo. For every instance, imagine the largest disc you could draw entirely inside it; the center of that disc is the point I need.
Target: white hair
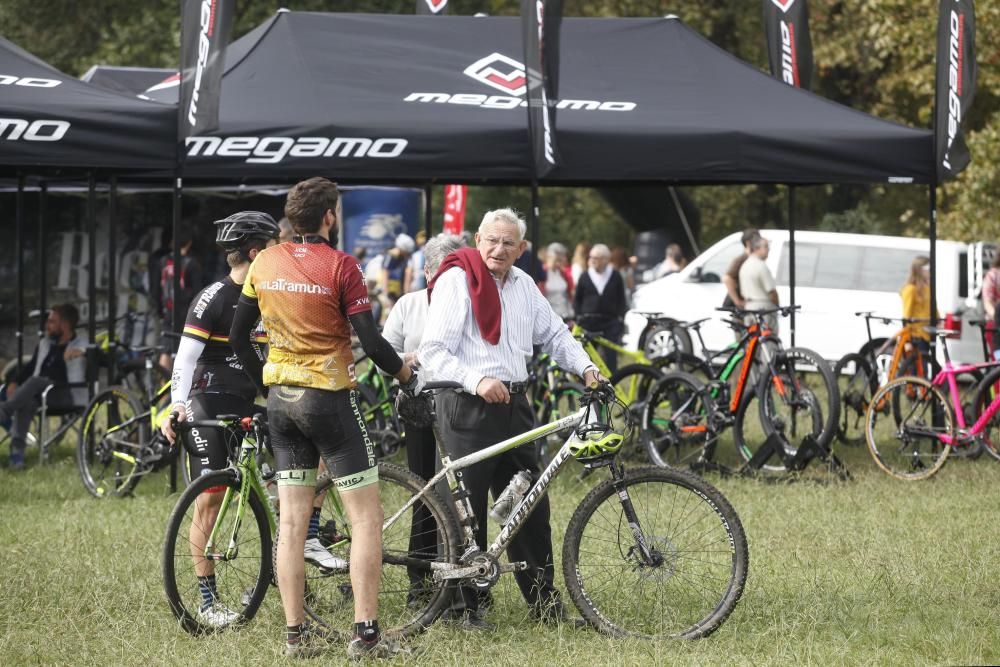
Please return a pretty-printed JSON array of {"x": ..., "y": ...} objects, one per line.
[
  {"x": 601, "y": 249},
  {"x": 506, "y": 216},
  {"x": 440, "y": 247}
]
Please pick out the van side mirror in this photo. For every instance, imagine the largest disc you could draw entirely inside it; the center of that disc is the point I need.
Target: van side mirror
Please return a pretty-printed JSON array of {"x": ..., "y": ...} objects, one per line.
[{"x": 700, "y": 276}]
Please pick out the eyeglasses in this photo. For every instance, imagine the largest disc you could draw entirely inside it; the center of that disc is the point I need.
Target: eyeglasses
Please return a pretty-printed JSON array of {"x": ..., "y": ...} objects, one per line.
[{"x": 493, "y": 241}]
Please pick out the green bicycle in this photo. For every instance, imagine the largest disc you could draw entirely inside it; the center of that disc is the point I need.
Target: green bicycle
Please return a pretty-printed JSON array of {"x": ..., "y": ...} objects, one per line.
[{"x": 120, "y": 441}]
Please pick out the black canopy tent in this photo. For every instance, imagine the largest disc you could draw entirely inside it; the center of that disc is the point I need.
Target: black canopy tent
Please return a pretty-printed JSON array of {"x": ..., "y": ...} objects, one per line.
[
  {"x": 125, "y": 80},
  {"x": 51, "y": 123},
  {"x": 378, "y": 98},
  {"x": 384, "y": 98},
  {"x": 374, "y": 98}
]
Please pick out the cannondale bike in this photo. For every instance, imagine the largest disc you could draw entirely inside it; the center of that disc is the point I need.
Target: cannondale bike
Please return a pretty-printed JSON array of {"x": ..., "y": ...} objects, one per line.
[{"x": 649, "y": 552}]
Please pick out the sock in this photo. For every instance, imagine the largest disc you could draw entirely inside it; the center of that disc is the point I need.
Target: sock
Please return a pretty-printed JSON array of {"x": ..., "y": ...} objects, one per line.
[
  {"x": 209, "y": 593},
  {"x": 313, "y": 524},
  {"x": 293, "y": 634},
  {"x": 368, "y": 631}
]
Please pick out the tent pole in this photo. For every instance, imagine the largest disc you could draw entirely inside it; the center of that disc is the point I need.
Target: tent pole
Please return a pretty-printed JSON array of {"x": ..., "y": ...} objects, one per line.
[
  {"x": 933, "y": 258},
  {"x": 684, "y": 220},
  {"x": 428, "y": 210},
  {"x": 175, "y": 315},
  {"x": 533, "y": 225},
  {"x": 791, "y": 261},
  {"x": 43, "y": 195},
  {"x": 92, "y": 256},
  {"x": 19, "y": 279},
  {"x": 112, "y": 233}
]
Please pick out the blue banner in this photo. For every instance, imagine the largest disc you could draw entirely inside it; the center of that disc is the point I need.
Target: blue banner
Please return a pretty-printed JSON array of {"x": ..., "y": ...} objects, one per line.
[{"x": 373, "y": 217}]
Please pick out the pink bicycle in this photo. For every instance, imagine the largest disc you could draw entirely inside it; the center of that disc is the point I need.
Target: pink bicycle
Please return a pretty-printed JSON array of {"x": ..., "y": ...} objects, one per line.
[{"x": 911, "y": 426}]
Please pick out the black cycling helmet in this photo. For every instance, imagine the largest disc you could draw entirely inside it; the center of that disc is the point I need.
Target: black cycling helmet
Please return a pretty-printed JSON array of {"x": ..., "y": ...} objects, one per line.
[{"x": 233, "y": 232}]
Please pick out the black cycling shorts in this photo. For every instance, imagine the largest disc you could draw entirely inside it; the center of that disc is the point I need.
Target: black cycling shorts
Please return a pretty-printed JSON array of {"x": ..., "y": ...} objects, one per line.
[
  {"x": 210, "y": 443},
  {"x": 306, "y": 424}
]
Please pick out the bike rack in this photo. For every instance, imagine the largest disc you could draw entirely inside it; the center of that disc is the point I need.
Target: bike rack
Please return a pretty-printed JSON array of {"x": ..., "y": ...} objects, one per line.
[{"x": 776, "y": 446}]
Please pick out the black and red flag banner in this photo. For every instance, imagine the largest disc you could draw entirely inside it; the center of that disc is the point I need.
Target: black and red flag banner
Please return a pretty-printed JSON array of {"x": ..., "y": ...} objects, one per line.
[
  {"x": 789, "y": 47},
  {"x": 955, "y": 84},
  {"x": 205, "y": 29},
  {"x": 540, "y": 22},
  {"x": 432, "y": 7}
]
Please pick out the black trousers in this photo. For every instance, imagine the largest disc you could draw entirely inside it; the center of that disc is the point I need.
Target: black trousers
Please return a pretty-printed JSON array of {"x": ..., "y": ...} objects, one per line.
[
  {"x": 469, "y": 424},
  {"x": 421, "y": 457}
]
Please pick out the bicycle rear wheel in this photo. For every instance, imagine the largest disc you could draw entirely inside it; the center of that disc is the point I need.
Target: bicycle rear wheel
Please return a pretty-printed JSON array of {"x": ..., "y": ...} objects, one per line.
[
  {"x": 699, "y": 548},
  {"x": 239, "y": 559},
  {"x": 106, "y": 450},
  {"x": 860, "y": 385},
  {"x": 904, "y": 426},
  {"x": 426, "y": 533}
]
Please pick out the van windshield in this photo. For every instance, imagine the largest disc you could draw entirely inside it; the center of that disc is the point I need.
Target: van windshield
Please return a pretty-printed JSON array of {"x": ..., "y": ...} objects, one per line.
[{"x": 834, "y": 266}]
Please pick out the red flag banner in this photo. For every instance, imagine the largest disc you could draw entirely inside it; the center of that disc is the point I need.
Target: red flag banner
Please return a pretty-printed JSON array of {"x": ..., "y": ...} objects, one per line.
[
  {"x": 955, "y": 84},
  {"x": 789, "y": 47},
  {"x": 205, "y": 26},
  {"x": 454, "y": 208}
]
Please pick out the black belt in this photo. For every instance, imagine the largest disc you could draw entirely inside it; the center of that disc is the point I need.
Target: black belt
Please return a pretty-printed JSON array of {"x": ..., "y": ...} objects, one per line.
[{"x": 515, "y": 387}]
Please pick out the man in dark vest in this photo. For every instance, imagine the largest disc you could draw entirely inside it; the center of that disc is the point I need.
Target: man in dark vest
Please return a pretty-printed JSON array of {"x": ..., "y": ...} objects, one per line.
[{"x": 600, "y": 301}]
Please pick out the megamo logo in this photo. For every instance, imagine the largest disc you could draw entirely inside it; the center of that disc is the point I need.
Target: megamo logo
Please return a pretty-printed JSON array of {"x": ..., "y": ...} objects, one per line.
[
  {"x": 507, "y": 76},
  {"x": 28, "y": 81},
  {"x": 789, "y": 58},
  {"x": 282, "y": 285},
  {"x": 207, "y": 24},
  {"x": 20, "y": 129},
  {"x": 956, "y": 42},
  {"x": 271, "y": 150}
]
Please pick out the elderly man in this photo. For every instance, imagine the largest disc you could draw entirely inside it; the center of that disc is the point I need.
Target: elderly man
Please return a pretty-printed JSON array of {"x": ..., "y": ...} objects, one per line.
[
  {"x": 600, "y": 300},
  {"x": 485, "y": 316}
]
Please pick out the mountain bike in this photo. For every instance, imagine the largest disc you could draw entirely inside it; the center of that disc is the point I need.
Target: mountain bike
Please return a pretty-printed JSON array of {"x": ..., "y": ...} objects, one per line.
[
  {"x": 879, "y": 361},
  {"x": 554, "y": 393},
  {"x": 120, "y": 441},
  {"x": 911, "y": 426},
  {"x": 225, "y": 523},
  {"x": 796, "y": 396},
  {"x": 650, "y": 552}
]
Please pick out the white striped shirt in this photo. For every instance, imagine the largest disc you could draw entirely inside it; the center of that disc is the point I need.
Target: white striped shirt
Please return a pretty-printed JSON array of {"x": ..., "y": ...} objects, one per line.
[{"x": 454, "y": 350}]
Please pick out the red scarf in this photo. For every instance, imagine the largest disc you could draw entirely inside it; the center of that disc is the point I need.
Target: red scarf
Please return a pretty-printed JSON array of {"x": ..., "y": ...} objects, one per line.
[{"x": 482, "y": 289}]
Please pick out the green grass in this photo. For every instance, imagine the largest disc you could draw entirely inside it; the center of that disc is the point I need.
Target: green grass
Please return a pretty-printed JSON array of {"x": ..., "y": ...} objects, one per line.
[{"x": 869, "y": 571}]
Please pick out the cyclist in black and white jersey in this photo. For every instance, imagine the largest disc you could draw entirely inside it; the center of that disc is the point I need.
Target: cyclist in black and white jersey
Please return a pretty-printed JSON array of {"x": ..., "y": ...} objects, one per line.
[{"x": 208, "y": 380}]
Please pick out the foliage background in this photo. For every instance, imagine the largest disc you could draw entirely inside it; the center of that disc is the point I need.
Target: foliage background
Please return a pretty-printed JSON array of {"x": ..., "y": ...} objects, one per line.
[{"x": 873, "y": 55}]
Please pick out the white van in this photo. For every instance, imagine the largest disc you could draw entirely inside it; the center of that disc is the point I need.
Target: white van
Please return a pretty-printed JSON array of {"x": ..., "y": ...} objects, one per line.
[{"x": 836, "y": 276}]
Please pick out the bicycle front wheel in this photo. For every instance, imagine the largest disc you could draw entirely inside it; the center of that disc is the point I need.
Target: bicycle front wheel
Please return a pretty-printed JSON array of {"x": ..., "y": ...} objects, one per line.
[
  {"x": 111, "y": 439},
  {"x": 215, "y": 533},
  {"x": 904, "y": 428},
  {"x": 424, "y": 535},
  {"x": 698, "y": 564}
]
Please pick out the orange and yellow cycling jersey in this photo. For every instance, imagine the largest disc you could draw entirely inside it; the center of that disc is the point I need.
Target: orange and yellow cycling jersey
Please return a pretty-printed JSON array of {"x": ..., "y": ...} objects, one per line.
[{"x": 305, "y": 292}]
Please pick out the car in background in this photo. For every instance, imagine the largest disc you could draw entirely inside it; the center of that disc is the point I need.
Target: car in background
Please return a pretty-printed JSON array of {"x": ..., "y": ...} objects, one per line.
[{"x": 836, "y": 275}]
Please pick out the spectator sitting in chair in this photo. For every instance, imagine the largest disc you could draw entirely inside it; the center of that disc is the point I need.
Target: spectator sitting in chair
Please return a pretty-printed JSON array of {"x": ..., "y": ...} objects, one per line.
[{"x": 58, "y": 360}]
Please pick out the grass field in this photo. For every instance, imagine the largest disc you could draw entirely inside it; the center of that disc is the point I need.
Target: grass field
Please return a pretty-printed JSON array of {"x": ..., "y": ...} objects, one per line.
[{"x": 868, "y": 571}]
